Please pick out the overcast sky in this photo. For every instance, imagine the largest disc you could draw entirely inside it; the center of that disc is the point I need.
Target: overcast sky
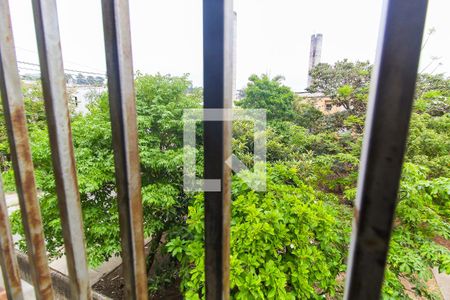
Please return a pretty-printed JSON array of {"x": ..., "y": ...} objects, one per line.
[{"x": 273, "y": 36}]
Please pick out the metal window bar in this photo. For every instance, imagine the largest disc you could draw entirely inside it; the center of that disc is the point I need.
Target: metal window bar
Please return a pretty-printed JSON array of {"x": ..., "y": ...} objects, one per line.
[
  {"x": 217, "y": 83},
  {"x": 386, "y": 131},
  {"x": 14, "y": 111},
  {"x": 116, "y": 24},
  {"x": 8, "y": 260},
  {"x": 57, "y": 111},
  {"x": 390, "y": 106}
]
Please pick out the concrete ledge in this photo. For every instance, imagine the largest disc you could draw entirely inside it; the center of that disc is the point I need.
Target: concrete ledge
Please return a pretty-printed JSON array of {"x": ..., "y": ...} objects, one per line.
[
  {"x": 443, "y": 281},
  {"x": 60, "y": 281}
]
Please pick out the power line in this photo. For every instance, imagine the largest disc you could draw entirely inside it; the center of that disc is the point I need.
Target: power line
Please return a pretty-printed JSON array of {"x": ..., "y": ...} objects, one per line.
[
  {"x": 68, "y": 70},
  {"x": 28, "y": 69},
  {"x": 65, "y": 60}
]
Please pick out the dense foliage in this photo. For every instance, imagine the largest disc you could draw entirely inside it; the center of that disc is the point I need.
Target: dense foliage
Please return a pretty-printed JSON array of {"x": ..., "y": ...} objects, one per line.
[
  {"x": 269, "y": 94},
  {"x": 346, "y": 83},
  {"x": 278, "y": 238},
  {"x": 160, "y": 103},
  {"x": 286, "y": 243},
  {"x": 290, "y": 242}
]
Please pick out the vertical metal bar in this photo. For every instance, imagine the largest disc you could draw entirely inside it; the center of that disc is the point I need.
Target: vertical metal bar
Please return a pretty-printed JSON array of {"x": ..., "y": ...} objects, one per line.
[
  {"x": 217, "y": 81},
  {"x": 21, "y": 157},
  {"x": 57, "y": 111},
  {"x": 390, "y": 106},
  {"x": 8, "y": 260},
  {"x": 116, "y": 24}
]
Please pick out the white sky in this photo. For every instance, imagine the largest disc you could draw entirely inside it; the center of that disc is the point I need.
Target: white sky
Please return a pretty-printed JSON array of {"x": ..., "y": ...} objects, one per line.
[{"x": 273, "y": 36}]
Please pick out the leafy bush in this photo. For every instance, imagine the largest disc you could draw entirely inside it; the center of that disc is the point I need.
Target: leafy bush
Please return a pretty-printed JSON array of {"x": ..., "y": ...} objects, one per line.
[{"x": 286, "y": 243}]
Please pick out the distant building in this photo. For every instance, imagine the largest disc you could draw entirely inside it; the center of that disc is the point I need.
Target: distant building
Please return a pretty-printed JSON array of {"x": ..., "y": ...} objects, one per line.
[
  {"x": 83, "y": 95},
  {"x": 315, "y": 53},
  {"x": 30, "y": 77},
  {"x": 320, "y": 102}
]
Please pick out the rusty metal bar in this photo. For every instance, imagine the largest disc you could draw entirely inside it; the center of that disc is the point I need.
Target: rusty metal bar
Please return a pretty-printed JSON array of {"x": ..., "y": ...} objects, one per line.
[
  {"x": 116, "y": 24},
  {"x": 21, "y": 157},
  {"x": 390, "y": 105},
  {"x": 8, "y": 260},
  {"x": 217, "y": 81},
  {"x": 58, "y": 120}
]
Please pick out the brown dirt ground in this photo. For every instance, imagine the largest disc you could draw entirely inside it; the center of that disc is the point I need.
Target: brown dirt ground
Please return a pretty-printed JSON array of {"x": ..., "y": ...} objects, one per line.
[
  {"x": 112, "y": 286},
  {"x": 443, "y": 242}
]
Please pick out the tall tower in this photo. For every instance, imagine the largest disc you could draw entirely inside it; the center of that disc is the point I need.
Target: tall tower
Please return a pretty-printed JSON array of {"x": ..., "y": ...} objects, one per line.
[
  {"x": 234, "y": 95},
  {"x": 314, "y": 53}
]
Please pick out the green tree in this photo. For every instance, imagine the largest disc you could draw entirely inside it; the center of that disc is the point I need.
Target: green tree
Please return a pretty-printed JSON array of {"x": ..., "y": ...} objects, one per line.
[
  {"x": 36, "y": 120},
  {"x": 270, "y": 94},
  {"x": 429, "y": 82},
  {"x": 160, "y": 101},
  {"x": 306, "y": 115},
  {"x": 346, "y": 83}
]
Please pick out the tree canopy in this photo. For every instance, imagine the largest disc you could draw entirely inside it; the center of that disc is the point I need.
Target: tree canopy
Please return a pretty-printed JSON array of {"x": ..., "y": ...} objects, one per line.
[
  {"x": 290, "y": 242},
  {"x": 345, "y": 82},
  {"x": 269, "y": 93}
]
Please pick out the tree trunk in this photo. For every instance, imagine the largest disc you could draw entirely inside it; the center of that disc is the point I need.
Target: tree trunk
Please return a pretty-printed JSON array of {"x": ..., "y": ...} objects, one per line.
[{"x": 153, "y": 248}]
